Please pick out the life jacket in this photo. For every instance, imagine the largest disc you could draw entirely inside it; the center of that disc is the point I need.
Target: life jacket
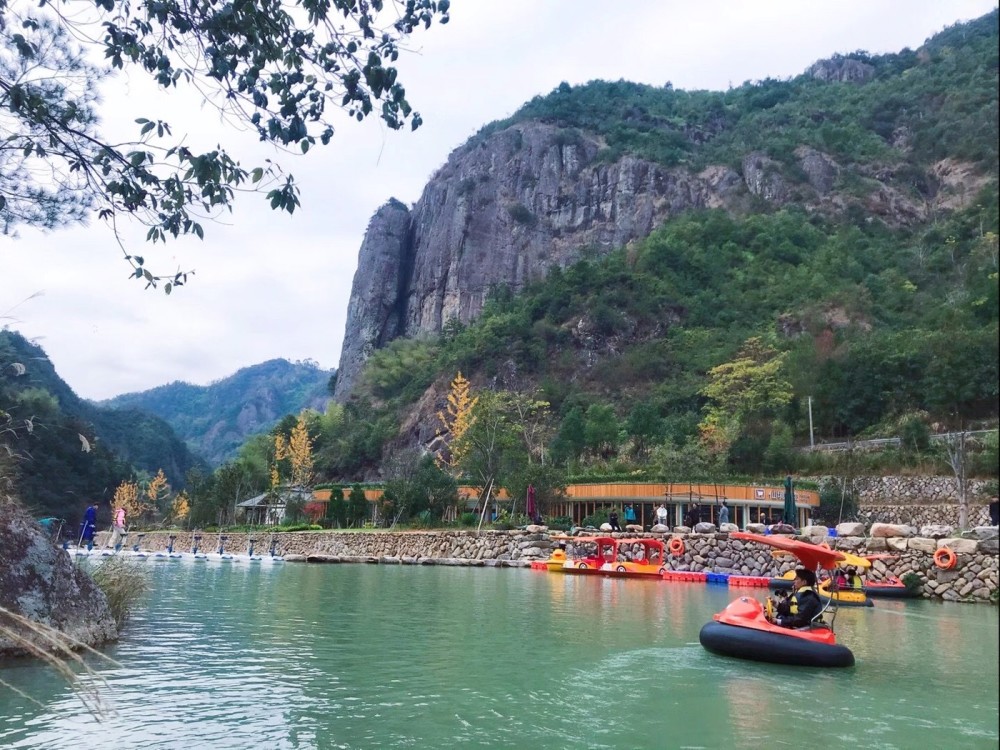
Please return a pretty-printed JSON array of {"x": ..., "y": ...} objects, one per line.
[{"x": 793, "y": 601}]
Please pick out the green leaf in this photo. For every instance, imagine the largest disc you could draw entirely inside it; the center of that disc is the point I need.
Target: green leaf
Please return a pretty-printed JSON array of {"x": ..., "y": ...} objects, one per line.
[{"x": 257, "y": 174}]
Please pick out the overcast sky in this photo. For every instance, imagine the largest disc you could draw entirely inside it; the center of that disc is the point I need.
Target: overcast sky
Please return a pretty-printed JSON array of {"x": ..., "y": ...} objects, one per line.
[{"x": 268, "y": 285}]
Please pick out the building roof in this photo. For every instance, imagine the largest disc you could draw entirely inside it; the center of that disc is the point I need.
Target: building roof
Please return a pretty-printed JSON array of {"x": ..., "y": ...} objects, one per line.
[{"x": 270, "y": 499}]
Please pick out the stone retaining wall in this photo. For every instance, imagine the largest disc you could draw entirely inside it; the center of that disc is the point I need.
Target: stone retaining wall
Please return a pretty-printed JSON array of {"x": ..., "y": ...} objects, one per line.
[
  {"x": 917, "y": 490},
  {"x": 974, "y": 578},
  {"x": 921, "y": 515}
]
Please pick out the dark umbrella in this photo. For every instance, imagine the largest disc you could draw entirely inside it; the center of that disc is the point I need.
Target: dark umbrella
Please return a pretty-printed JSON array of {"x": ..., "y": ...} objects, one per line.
[
  {"x": 532, "y": 508},
  {"x": 789, "y": 514}
]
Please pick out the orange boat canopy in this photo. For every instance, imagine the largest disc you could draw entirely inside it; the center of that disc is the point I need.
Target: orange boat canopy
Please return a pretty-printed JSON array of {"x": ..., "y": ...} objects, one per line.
[{"x": 811, "y": 555}]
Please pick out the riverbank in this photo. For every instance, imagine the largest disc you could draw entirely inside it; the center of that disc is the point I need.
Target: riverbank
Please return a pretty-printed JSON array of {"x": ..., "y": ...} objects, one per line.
[{"x": 974, "y": 578}]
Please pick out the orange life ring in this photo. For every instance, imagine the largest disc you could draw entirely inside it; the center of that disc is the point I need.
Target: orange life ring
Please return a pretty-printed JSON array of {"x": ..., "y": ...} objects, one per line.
[
  {"x": 945, "y": 559},
  {"x": 676, "y": 546}
]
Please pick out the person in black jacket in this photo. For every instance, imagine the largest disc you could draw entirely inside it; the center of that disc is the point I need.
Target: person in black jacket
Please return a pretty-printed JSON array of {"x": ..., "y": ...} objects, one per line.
[
  {"x": 613, "y": 520},
  {"x": 803, "y": 608}
]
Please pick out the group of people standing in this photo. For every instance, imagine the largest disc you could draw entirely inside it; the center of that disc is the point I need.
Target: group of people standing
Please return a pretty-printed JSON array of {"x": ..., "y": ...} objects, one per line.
[
  {"x": 88, "y": 527},
  {"x": 662, "y": 516}
]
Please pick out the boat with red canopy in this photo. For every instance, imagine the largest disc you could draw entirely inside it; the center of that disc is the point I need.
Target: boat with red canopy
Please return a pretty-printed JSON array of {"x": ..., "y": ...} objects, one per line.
[
  {"x": 610, "y": 556},
  {"x": 744, "y": 630}
]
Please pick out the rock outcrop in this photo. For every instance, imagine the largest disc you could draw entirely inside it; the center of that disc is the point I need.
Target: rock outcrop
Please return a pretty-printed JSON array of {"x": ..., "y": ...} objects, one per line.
[
  {"x": 507, "y": 207},
  {"x": 841, "y": 69},
  {"x": 39, "y": 581},
  {"x": 503, "y": 210}
]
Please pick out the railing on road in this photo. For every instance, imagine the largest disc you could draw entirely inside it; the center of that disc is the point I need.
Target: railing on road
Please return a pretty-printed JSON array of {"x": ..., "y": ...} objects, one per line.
[{"x": 885, "y": 442}]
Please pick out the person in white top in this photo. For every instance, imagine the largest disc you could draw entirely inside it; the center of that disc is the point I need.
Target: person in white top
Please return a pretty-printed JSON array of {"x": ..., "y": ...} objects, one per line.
[{"x": 661, "y": 514}]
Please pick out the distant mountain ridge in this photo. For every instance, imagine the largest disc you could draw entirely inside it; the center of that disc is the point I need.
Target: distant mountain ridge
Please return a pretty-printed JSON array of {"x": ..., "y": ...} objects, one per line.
[{"x": 216, "y": 419}]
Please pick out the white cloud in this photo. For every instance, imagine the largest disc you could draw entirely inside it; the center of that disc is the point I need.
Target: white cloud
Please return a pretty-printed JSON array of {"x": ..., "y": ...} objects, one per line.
[{"x": 268, "y": 285}]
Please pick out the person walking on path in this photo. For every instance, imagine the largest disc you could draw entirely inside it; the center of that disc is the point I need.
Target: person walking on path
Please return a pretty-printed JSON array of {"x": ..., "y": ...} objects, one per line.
[
  {"x": 723, "y": 514},
  {"x": 661, "y": 515},
  {"x": 88, "y": 526},
  {"x": 117, "y": 528}
]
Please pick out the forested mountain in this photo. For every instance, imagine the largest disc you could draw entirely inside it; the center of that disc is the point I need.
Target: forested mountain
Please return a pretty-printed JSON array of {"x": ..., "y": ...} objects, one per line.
[
  {"x": 64, "y": 450},
  {"x": 890, "y": 142},
  {"x": 639, "y": 258},
  {"x": 215, "y": 420}
]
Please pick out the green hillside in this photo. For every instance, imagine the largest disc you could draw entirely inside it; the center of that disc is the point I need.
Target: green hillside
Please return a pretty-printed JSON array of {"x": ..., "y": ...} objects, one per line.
[
  {"x": 63, "y": 451},
  {"x": 939, "y": 100}
]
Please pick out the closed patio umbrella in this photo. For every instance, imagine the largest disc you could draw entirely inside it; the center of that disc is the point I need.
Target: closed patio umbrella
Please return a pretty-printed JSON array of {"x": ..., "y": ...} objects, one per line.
[
  {"x": 789, "y": 515},
  {"x": 531, "y": 507}
]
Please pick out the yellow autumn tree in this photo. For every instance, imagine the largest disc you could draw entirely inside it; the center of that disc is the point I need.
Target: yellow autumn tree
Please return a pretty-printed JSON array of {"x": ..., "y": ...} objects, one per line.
[
  {"x": 297, "y": 449},
  {"x": 157, "y": 490},
  {"x": 300, "y": 453},
  {"x": 180, "y": 508},
  {"x": 280, "y": 454},
  {"x": 127, "y": 497},
  {"x": 455, "y": 420}
]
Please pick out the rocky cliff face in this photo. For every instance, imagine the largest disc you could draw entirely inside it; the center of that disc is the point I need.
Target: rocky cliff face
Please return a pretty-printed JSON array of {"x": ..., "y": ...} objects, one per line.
[
  {"x": 39, "y": 581},
  {"x": 508, "y": 206},
  {"x": 503, "y": 210}
]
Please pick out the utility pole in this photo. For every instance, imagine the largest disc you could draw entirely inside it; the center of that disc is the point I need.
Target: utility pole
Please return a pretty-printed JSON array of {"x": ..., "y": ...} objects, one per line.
[{"x": 812, "y": 444}]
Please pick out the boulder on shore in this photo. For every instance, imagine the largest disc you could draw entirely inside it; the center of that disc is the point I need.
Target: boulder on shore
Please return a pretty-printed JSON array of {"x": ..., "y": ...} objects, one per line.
[
  {"x": 891, "y": 530},
  {"x": 39, "y": 581}
]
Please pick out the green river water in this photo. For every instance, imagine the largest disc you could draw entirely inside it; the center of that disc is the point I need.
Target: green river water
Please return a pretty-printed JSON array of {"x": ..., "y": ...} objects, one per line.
[{"x": 375, "y": 656}]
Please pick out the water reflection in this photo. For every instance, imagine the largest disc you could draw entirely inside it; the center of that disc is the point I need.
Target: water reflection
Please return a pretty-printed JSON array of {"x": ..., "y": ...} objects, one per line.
[{"x": 413, "y": 657}]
